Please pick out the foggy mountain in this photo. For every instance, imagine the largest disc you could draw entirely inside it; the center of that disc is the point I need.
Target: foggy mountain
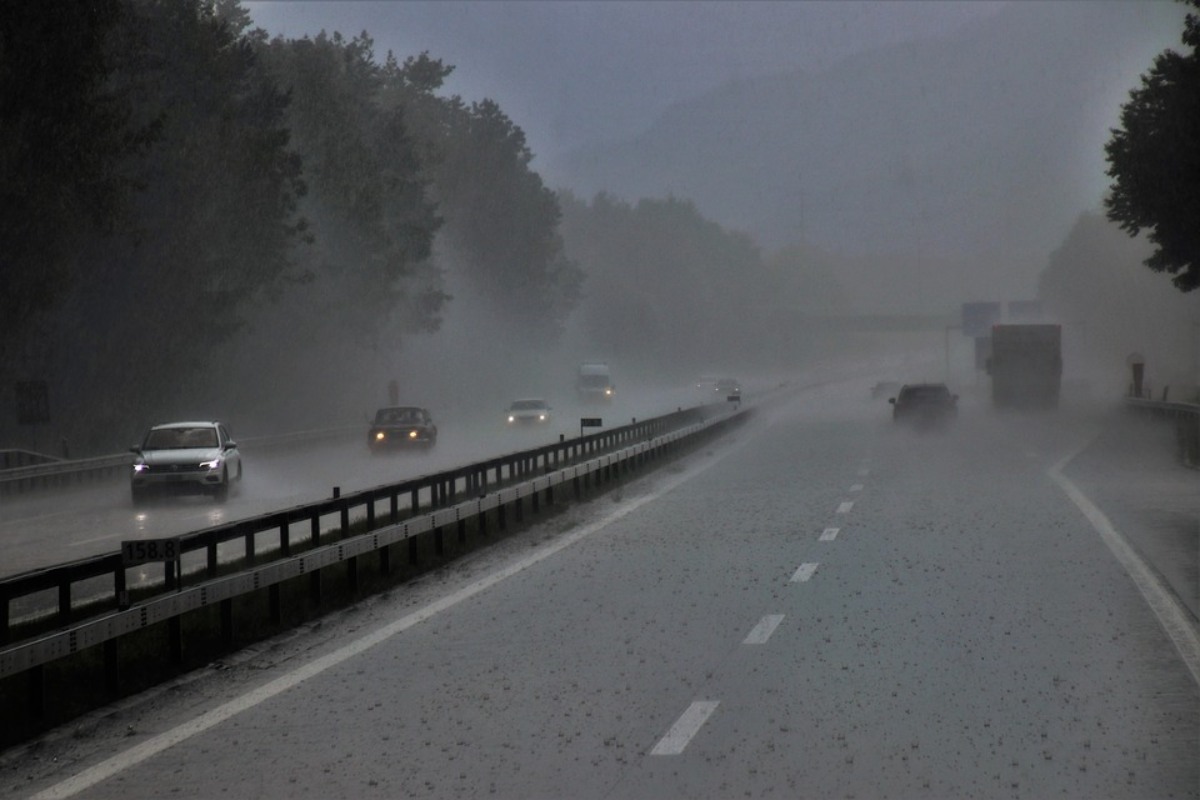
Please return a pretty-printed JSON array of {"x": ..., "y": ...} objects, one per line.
[{"x": 966, "y": 158}]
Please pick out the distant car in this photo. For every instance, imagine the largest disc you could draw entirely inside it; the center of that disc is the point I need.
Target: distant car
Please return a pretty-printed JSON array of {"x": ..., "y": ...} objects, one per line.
[
  {"x": 182, "y": 457},
  {"x": 529, "y": 411},
  {"x": 728, "y": 387},
  {"x": 401, "y": 426},
  {"x": 924, "y": 405}
]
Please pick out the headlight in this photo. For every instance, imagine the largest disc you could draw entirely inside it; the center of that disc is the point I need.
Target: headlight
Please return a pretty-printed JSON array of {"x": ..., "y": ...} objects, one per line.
[
  {"x": 511, "y": 418},
  {"x": 412, "y": 434},
  {"x": 608, "y": 392},
  {"x": 541, "y": 417},
  {"x": 214, "y": 464},
  {"x": 380, "y": 436},
  {"x": 140, "y": 467}
]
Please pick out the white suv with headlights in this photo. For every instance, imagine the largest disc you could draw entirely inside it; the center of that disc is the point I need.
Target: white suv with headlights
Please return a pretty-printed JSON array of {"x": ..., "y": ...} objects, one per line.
[{"x": 185, "y": 457}]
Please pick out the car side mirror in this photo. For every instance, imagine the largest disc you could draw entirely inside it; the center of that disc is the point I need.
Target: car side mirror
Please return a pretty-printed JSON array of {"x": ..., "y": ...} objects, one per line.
[
  {"x": 229, "y": 445},
  {"x": 137, "y": 450}
]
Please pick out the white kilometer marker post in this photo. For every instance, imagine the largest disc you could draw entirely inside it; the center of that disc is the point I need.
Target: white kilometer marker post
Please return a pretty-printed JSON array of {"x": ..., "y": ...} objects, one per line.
[
  {"x": 763, "y": 630},
  {"x": 845, "y": 507},
  {"x": 858, "y": 487},
  {"x": 685, "y": 728},
  {"x": 829, "y": 534},
  {"x": 804, "y": 573}
]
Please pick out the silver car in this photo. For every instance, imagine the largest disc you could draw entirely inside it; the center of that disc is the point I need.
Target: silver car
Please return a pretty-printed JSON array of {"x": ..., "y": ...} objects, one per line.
[
  {"x": 180, "y": 457},
  {"x": 528, "y": 411}
]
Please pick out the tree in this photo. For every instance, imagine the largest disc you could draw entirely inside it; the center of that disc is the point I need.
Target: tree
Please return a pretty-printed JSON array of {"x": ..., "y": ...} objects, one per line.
[
  {"x": 1154, "y": 159},
  {"x": 64, "y": 133}
]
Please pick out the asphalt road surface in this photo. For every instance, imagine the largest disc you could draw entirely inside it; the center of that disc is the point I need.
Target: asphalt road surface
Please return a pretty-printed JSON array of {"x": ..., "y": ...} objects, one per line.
[
  {"x": 45, "y": 528},
  {"x": 821, "y": 606}
]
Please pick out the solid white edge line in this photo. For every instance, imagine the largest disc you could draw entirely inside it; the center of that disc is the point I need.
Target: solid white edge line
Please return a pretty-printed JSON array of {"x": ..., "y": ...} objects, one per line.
[
  {"x": 1171, "y": 615},
  {"x": 687, "y": 726},
  {"x": 157, "y": 744},
  {"x": 763, "y": 630}
]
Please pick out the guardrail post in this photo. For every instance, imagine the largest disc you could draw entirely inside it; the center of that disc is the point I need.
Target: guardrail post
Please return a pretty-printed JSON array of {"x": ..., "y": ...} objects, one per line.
[
  {"x": 249, "y": 546},
  {"x": 274, "y": 607},
  {"x": 439, "y": 542},
  {"x": 227, "y": 620},
  {"x": 482, "y": 521},
  {"x": 414, "y": 502},
  {"x": 500, "y": 517},
  {"x": 352, "y": 574},
  {"x": 462, "y": 530},
  {"x": 394, "y": 508}
]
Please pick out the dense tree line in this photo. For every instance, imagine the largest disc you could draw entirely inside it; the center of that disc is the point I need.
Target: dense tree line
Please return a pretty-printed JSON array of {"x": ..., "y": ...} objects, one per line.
[
  {"x": 1154, "y": 160},
  {"x": 679, "y": 293},
  {"x": 175, "y": 181},
  {"x": 1110, "y": 308}
]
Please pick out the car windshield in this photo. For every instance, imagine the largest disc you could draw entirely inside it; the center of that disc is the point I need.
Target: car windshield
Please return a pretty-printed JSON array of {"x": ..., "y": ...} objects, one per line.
[
  {"x": 528, "y": 405},
  {"x": 180, "y": 438},
  {"x": 399, "y": 416}
]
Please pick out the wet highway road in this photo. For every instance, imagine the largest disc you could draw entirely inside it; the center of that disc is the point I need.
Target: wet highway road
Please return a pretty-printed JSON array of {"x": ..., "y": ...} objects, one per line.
[
  {"x": 823, "y": 606},
  {"x": 46, "y": 528}
]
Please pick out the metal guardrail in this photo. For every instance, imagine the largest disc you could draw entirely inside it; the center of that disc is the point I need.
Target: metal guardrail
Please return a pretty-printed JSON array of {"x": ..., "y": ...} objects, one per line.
[
  {"x": 555, "y": 462},
  {"x": 58, "y": 473},
  {"x": 1184, "y": 416}
]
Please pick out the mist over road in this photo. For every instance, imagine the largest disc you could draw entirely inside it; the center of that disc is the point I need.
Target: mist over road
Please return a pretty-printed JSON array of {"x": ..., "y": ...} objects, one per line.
[
  {"x": 46, "y": 528},
  {"x": 824, "y": 605}
]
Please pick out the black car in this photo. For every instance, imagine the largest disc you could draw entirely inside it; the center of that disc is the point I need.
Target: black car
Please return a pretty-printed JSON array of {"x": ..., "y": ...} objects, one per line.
[
  {"x": 924, "y": 405},
  {"x": 401, "y": 426}
]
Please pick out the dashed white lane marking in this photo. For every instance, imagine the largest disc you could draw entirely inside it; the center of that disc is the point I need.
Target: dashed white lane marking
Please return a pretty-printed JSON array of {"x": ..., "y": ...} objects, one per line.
[
  {"x": 1171, "y": 615},
  {"x": 151, "y": 747},
  {"x": 763, "y": 630},
  {"x": 829, "y": 534},
  {"x": 858, "y": 487},
  {"x": 685, "y": 728},
  {"x": 845, "y": 507},
  {"x": 804, "y": 573}
]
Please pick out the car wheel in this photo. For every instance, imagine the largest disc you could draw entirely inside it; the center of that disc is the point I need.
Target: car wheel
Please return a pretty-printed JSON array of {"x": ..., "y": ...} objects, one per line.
[{"x": 221, "y": 493}]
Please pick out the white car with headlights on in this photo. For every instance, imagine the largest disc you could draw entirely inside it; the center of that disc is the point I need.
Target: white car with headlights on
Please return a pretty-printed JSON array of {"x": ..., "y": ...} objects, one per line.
[
  {"x": 185, "y": 457},
  {"x": 530, "y": 411}
]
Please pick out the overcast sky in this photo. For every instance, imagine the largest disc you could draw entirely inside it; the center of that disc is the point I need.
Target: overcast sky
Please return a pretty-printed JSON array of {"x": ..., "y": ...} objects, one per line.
[{"x": 573, "y": 73}]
